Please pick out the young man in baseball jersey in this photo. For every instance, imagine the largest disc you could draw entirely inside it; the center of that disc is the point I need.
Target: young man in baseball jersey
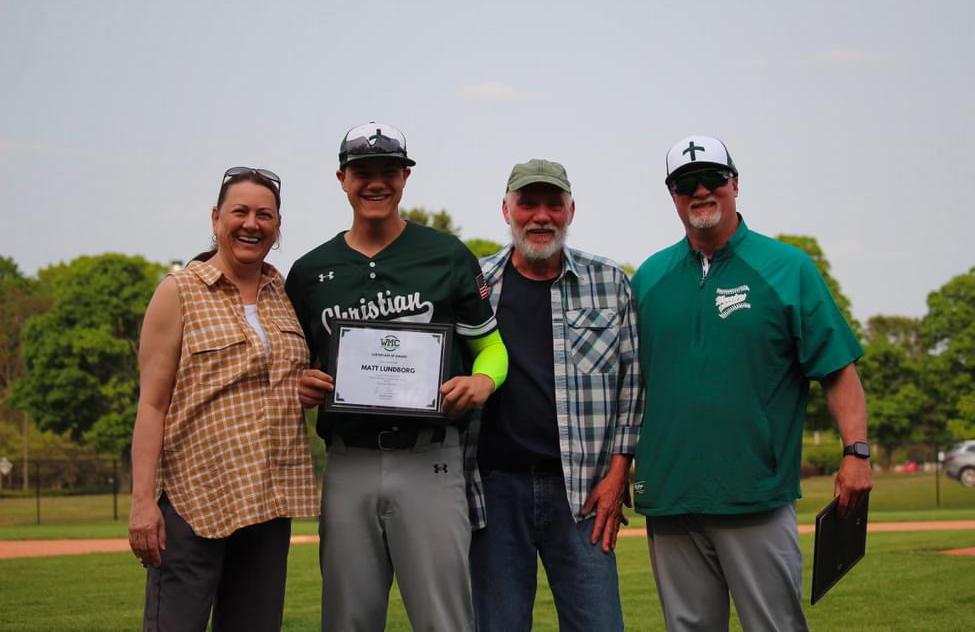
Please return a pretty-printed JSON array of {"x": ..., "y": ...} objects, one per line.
[{"x": 393, "y": 499}]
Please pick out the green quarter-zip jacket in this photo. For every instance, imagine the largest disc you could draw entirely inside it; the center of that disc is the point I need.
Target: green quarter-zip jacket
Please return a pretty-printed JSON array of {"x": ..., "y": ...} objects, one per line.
[{"x": 727, "y": 351}]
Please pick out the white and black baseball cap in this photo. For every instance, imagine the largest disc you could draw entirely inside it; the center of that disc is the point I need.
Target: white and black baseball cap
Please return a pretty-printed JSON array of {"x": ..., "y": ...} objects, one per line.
[
  {"x": 695, "y": 153},
  {"x": 373, "y": 140}
]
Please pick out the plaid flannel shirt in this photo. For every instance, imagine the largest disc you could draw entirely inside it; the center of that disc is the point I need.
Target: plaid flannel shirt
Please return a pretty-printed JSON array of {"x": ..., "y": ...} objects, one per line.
[
  {"x": 599, "y": 389},
  {"x": 235, "y": 446}
]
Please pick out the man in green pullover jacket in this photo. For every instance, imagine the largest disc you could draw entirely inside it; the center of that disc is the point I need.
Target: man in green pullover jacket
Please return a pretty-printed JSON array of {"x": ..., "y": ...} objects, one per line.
[{"x": 733, "y": 326}]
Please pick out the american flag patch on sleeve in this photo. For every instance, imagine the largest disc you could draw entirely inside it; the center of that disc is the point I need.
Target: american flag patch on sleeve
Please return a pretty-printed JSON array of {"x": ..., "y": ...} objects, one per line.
[{"x": 482, "y": 287}]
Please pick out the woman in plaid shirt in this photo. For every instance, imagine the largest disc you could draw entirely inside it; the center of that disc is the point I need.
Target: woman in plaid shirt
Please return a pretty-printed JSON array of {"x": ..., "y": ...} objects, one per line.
[{"x": 220, "y": 458}]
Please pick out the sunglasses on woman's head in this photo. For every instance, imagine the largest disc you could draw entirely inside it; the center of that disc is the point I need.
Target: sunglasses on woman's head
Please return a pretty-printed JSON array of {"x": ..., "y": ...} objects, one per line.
[{"x": 264, "y": 173}]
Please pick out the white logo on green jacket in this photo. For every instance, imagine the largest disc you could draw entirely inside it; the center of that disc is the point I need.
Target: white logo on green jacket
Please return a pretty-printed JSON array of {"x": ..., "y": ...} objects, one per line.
[{"x": 731, "y": 300}]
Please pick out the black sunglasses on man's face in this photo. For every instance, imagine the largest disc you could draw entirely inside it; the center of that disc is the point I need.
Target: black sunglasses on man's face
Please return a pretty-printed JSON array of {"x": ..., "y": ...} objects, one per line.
[{"x": 711, "y": 179}]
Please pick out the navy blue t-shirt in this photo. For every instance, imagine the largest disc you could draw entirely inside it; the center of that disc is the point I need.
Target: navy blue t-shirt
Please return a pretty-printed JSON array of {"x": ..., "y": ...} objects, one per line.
[{"x": 519, "y": 425}]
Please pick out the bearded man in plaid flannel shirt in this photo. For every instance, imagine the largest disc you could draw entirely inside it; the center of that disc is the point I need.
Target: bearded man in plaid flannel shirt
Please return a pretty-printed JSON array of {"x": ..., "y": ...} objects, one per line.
[{"x": 548, "y": 463}]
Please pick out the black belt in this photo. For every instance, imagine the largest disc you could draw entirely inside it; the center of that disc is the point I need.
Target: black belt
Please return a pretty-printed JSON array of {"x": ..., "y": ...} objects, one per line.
[{"x": 395, "y": 438}]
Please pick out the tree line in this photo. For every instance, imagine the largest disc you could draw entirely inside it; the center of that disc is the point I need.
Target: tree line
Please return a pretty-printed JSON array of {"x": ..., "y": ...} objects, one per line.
[{"x": 69, "y": 342}]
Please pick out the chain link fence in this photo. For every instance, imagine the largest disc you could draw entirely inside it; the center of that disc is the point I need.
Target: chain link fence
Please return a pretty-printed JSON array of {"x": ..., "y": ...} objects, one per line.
[{"x": 59, "y": 490}]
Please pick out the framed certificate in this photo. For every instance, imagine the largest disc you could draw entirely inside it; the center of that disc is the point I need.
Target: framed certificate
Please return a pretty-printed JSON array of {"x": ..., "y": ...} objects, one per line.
[
  {"x": 839, "y": 544},
  {"x": 388, "y": 367}
]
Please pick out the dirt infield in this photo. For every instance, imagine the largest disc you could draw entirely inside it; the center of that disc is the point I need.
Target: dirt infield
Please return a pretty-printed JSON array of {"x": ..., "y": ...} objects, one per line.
[{"x": 10, "y": 549}]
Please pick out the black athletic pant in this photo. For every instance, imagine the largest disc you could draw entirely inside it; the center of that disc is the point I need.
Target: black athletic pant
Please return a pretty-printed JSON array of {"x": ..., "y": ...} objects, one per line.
[{"x": 240, "y": 577}]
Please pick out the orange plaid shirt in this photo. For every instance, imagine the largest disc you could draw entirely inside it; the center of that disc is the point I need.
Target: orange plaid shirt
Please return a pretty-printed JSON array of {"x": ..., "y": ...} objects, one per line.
[{"x": 235, "y": 446}]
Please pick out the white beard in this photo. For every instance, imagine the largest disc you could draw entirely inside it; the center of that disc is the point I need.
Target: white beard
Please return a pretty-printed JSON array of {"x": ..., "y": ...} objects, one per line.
[
  {"x": 533, "y": 251},
  {"x": 702, "y": 220}
]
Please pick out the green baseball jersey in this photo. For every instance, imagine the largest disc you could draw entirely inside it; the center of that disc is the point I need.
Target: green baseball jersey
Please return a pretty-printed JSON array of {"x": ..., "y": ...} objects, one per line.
[
  {"x": 423, "y": 276},
  {"x": 727, "y": 356}
]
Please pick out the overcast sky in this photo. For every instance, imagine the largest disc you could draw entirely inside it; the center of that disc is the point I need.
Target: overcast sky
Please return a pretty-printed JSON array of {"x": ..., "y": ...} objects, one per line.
[{"x": 852, "y": 122}]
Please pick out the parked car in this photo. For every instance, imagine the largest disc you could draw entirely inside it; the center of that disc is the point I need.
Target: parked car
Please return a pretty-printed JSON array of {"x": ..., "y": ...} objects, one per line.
[{"x": 960, "y": 463}]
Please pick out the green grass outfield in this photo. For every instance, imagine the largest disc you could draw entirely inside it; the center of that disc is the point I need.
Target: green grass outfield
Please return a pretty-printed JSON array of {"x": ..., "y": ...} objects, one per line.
[
  {"x": 904, "y": 583},
  {"x": 896, "y": 497}
]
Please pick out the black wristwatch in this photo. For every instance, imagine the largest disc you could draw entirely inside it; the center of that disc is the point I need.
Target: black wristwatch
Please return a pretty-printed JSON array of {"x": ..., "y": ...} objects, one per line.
[{"x": 859, "y": 449}]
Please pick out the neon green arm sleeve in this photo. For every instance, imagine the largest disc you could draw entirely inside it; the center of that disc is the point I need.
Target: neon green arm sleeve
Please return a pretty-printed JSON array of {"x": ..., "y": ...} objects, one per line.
[{"x": 490, "y": 357}]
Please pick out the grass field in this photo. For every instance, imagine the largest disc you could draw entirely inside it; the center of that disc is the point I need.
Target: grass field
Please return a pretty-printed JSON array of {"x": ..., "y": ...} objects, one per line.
[
  {"x": 904, "y": 583},
  {"x": 896, "y": 497}
]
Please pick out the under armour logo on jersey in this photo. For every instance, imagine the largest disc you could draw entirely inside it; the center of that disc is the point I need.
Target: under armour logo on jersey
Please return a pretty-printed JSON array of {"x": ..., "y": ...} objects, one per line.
[
  {"x": 439, "y": 468},
  {"x": 329, "y": 276}
]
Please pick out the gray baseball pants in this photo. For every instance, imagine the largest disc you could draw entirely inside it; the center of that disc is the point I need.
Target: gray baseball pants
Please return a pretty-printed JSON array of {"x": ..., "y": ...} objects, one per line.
[
  {"x": 396, "y": 512},
  {"x": 699, "y": 559}
]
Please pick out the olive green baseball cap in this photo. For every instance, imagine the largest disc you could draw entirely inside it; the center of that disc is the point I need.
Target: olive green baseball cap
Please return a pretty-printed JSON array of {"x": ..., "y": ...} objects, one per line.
[{"x": 538, "y": 170}]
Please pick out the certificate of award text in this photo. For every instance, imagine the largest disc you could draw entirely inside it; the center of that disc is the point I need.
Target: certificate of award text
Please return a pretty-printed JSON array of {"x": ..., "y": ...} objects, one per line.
[{"x": 393, "y": 368}]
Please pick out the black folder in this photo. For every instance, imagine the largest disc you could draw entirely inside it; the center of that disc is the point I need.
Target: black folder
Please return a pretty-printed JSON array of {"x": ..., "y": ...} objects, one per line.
[{"x": 840, "y": 543}]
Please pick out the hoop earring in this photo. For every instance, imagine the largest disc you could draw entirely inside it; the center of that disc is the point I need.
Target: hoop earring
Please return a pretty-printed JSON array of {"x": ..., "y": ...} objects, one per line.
[
  {"x": 213, "y": 242},
  {"x": 277, "y": 243}
]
